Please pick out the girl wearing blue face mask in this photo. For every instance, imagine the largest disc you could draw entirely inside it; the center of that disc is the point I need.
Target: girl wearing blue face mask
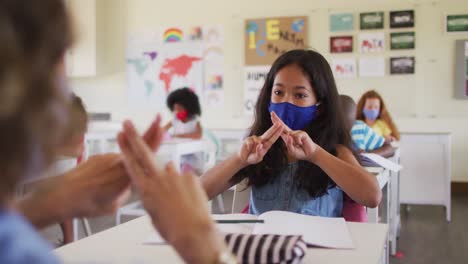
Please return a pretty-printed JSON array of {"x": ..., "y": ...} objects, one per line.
[
  {"x": 372, "y": 110},
  {"x": 297, "y": 156}
]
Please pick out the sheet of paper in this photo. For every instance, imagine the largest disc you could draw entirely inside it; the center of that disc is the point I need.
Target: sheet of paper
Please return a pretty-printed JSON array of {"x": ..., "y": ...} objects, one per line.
[
  {"x": 372, "y": 67},
  {"x": 254, "y": 78},
  {"x": 344, "y": 68},
  {"x": 371, "y": 42},
  {"x": 383, "y": 161},
  {"x": 316, "y": 231},
  {"x": 374, "y": 170}
]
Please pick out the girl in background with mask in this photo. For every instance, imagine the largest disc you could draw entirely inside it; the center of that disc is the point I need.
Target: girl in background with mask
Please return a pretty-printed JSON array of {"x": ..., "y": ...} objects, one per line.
[
  {"x": 372, "y": 110},
  {"x": 297, "y": 156},
  {"x": 186, "y": 108}
]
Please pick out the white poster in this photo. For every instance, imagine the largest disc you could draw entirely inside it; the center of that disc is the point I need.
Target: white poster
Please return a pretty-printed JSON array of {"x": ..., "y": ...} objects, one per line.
[
  {"x": 344, "y": 68},
  {"x": 372, "y": 67},
  {"x": 371, "y": 42},
  {"x": 255, "y": 77},
  {"x": 213, "y": 41}
]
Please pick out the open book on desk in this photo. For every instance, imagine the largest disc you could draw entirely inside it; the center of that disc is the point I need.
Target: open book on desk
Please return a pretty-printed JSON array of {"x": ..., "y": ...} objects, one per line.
[{"x": 316, "y": 231}]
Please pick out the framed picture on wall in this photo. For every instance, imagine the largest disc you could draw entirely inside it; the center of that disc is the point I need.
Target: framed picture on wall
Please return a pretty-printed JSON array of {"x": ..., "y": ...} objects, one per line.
[
  {"x": 402, "y": 40},
  {"x": 402, "y": 19},
  {"x": 371, "y": 42},
  {"x": 341, "y": 22},
  {"x": 341, "y": 44},
  {"x": 456, "y": 23},
  {"x": 371, "y": 20},
  {"x": 344, "y": 68},
  {"x": 402, "y": 65}
]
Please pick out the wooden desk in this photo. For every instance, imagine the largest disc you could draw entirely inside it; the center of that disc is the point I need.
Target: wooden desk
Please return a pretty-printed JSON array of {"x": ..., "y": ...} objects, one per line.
[{"x": 124, "y": 244}]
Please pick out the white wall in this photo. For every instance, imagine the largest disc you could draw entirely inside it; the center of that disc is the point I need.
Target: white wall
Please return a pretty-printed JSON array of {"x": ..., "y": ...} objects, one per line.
[{"x": 422, "y": 101}]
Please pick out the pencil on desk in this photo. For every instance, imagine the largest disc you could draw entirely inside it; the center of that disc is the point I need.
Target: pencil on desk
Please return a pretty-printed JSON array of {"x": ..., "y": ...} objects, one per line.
[{"x": 247, "y": 221}]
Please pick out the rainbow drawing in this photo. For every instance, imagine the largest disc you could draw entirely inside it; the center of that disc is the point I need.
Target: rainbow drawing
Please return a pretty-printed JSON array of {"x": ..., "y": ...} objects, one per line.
[{"x": 173, "y": 35}]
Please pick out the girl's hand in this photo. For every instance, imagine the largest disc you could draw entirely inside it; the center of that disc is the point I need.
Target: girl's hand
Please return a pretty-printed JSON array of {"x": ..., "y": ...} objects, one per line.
[
  {"x": 254, "y": 148},
  {"x": 300, "y": 146},
  {"x": 176, "y": 203},
  {"x": 101, "y": 184}
]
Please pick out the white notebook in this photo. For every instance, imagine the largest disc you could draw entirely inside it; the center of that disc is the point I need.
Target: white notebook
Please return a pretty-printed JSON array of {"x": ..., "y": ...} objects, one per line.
[
  {"x": 385, "y": 163},
  {"x": 316, "y": 231}
]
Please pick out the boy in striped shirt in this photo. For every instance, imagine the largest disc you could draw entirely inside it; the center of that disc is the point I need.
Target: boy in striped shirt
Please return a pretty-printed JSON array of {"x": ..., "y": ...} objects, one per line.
[{"x": 365, "y": 138}]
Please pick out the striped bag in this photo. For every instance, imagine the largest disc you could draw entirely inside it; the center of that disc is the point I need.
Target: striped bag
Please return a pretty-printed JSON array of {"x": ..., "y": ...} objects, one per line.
[{"x": 266, "y": 248}]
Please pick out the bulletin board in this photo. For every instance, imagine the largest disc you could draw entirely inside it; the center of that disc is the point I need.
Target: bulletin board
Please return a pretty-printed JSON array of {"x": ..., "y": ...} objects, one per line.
[
  {"x": 461, "y": 69},
  {"x": 268, "y": 38}
]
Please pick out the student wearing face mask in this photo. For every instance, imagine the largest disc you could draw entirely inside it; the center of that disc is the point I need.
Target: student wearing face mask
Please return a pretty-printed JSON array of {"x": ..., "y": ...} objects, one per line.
[
  {"x": 185, "y": 106},
  {"x": 372, "y": 110},
  {"x": 297, "y": 156}
]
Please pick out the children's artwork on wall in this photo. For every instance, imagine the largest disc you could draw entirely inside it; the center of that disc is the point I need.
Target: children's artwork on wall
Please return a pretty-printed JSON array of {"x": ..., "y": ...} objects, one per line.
[
  {"x": 268, "y": 38},
  {"x": 255, "y": 77},
  {"x": 372, "y": 67},
  {"x": 402, "y": 65},
  {"x": 371, "y": 42},
  {"x": 402, "y": 19},
  {"x": 456, "y": 23},
  {"x": 402, "y": 40},
  {"x": 341, "y": 44},
  {"x": 157, "y": 65},
  {"x": 344, "y": 68},
  {"x": 213, "y": 56},
  {"x": 173, "y": 34},
  {"x": 341, "y": 22},
  {"x": 371, "y": 20},
  {"x": 195, "y": 34}
]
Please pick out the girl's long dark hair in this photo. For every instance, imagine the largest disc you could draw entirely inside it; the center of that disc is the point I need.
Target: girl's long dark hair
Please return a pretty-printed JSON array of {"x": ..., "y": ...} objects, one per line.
[{"x": 327, "y": 130}]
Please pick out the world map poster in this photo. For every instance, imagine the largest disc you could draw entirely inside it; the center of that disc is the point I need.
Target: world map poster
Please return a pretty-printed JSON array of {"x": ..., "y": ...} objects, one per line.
[{"x": 159, "y": 63}]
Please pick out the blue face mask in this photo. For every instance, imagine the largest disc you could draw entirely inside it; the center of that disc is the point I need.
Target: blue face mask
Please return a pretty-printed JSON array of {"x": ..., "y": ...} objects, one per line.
[
  {"x": 295, "y": 117},
  {"x": 371, "y": 114}
]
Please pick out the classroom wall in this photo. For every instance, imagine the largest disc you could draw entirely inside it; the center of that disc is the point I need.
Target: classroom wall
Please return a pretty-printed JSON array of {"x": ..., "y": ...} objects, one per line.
[{"x": 423, "y": 101}]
